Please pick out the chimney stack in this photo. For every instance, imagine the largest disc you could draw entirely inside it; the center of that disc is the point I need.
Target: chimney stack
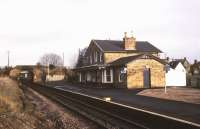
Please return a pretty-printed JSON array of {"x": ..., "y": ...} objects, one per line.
[
  {"x": 129, "y": 43},
  {"x": 167, "y": 59},
  {"x": 195, "y": 61}
]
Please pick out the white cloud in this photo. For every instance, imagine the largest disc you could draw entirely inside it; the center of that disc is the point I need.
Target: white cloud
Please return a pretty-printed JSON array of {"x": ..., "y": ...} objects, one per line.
[{"x": 31, "y": 28}]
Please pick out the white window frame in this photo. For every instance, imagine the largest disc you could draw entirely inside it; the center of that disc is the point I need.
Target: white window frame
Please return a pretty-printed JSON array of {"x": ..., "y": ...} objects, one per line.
[
  {"x": 90, "y": 59},
  {"x": 125, "y": 70},
  {"x": 102, "y": 76},
  {"x": 100, "y": 57},
  {"x": 96, "y": 56},
  {"x": 80, "y": 77},
  {"x": 93, "y": 56},
  {"x": 88, "y": 77},
  {"x": 105, "y": 76}
]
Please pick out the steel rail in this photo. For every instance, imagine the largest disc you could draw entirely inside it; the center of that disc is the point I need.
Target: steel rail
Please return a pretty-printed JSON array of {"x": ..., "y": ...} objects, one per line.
[
  {"x": 61, "y": 98},
  {"x": 133, "y": 117}
]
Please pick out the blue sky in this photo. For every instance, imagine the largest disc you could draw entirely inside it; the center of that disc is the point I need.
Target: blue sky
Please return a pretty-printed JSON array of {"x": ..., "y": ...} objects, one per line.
[{"x": 29, "y": 29}]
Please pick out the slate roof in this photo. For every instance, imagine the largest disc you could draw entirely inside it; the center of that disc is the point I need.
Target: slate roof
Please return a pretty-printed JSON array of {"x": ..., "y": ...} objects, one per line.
[
  {"x": 25, "y": 67},
  {"x": 116, "y": 45},
  {"x": 125, "y": 60},
  {"x": 173, "y": 64}
]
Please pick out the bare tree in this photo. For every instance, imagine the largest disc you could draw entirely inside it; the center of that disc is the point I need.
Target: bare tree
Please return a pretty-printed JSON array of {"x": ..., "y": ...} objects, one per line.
[
  {"x": 51, "y": 59},
  {"x": 81, "y": 57}
]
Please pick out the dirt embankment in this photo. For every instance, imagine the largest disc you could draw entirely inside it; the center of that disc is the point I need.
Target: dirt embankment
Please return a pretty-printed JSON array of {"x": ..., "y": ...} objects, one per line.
[{"x": 23, "y": 108}]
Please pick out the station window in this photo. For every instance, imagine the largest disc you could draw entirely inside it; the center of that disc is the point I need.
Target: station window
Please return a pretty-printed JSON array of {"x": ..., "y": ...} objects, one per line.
[
  {"x": 122, "y": 74},
  {"x": 96, "y": 56},
  {"x": 80, "y": 77},
  {"x": 90, "y": 59},
  {"x": 108, "y": 75},
  {"x": 100, "y": 57}
]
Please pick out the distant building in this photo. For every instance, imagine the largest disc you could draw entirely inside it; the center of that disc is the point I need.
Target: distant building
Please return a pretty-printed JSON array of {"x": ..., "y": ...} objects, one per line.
[
  {"x": 25, "y": 72},
  {"x": 123, "y": 63},
  {"x": 195, "y": 68},
  {"x": 195, "y": 71},
  {"x": 25, "y": 67},
  {"x": 56, "y": 74},
  {"x": 176, "y": 74},
  {"x": 183, "y": 61}
]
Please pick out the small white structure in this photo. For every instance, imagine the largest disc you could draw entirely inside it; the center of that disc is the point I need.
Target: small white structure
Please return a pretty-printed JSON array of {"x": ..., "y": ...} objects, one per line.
[
  {"x": 55, "y": 77},
  {"x": 176, "y": 74}
]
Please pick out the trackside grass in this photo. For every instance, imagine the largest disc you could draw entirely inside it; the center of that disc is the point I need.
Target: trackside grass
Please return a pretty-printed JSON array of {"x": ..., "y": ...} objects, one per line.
[{"x": 10, "y": 95}]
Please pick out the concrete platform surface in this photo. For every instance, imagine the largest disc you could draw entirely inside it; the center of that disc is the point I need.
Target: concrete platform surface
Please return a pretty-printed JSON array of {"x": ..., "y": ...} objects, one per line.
[{"x": 136, "y": 98}]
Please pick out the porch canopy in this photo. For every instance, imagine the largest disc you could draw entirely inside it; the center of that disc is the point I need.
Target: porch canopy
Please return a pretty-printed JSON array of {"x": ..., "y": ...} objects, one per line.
[
  {"x": 91, "y": 67},
  {"x": 120, "y": 62}
]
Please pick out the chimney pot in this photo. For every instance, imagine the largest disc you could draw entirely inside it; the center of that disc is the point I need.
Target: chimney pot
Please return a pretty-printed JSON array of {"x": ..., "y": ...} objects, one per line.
[
  {"x": 167, "y": 58},
  {"x": 129, "y": 43},
  {"x": 195, "y": 61},
  {"x": 125, "y": 34}
]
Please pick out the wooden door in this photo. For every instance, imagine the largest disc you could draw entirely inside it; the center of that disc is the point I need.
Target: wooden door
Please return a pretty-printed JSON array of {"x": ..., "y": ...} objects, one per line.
[{"x": 146, "y": 78}]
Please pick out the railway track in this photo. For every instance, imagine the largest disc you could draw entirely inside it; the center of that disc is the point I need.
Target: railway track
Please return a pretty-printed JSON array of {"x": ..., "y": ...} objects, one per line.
[{"x": 110, "y": 114}]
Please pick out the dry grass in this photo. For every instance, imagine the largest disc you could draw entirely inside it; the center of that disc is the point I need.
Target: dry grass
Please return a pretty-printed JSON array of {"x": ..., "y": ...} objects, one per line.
[
  {"x": 54, "y": 116},
  {"x": 14, "y": 73},
  {"x": 38, "y": 112},
  {"x": 10, "y": 95}
]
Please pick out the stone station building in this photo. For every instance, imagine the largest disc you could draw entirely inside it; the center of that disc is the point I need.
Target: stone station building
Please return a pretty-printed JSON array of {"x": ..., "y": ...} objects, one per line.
[{"x": 125, "y": 64}]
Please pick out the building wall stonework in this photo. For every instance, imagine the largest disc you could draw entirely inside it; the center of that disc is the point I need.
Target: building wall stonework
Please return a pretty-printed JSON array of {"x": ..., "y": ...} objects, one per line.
[
  {"x": 158, "y": 77},
  {"x": 109, "y": 57},
  {"x": 135, "y": 77}
]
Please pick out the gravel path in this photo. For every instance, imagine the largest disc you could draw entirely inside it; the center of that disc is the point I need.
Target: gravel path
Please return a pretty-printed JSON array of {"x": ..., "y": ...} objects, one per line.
[{"x": 183, "y": 94}]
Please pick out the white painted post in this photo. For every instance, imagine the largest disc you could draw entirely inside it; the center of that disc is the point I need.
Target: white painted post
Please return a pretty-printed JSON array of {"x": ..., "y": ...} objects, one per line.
[{"x": 167, "y": 67}]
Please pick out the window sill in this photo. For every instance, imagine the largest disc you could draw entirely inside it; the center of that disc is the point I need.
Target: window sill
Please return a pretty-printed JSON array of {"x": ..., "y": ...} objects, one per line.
[{"x": 107, "y": 82}]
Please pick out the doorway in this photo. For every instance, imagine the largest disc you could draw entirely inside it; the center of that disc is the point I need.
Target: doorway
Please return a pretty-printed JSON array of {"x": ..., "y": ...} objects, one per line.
[{"x": 147, "y": 78}]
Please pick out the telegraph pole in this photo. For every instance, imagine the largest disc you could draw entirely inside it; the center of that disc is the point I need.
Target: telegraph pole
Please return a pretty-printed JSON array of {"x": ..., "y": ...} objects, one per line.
[
  {"x": 8, "y": 59},
  {"x": 48, "y": 71},
  {"x": 63, "y": 59}
]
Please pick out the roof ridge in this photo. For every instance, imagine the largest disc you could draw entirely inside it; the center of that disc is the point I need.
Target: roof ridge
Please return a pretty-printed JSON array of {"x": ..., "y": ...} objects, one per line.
[
  {"x": 115, "y": 45},
  {"x": 117, "y": 40},
  {"x": 107, "y": 39}
]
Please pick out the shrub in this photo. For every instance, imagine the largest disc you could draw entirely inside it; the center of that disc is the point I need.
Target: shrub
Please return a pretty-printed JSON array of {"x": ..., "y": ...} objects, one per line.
[{"x": 14, "y": 73}]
